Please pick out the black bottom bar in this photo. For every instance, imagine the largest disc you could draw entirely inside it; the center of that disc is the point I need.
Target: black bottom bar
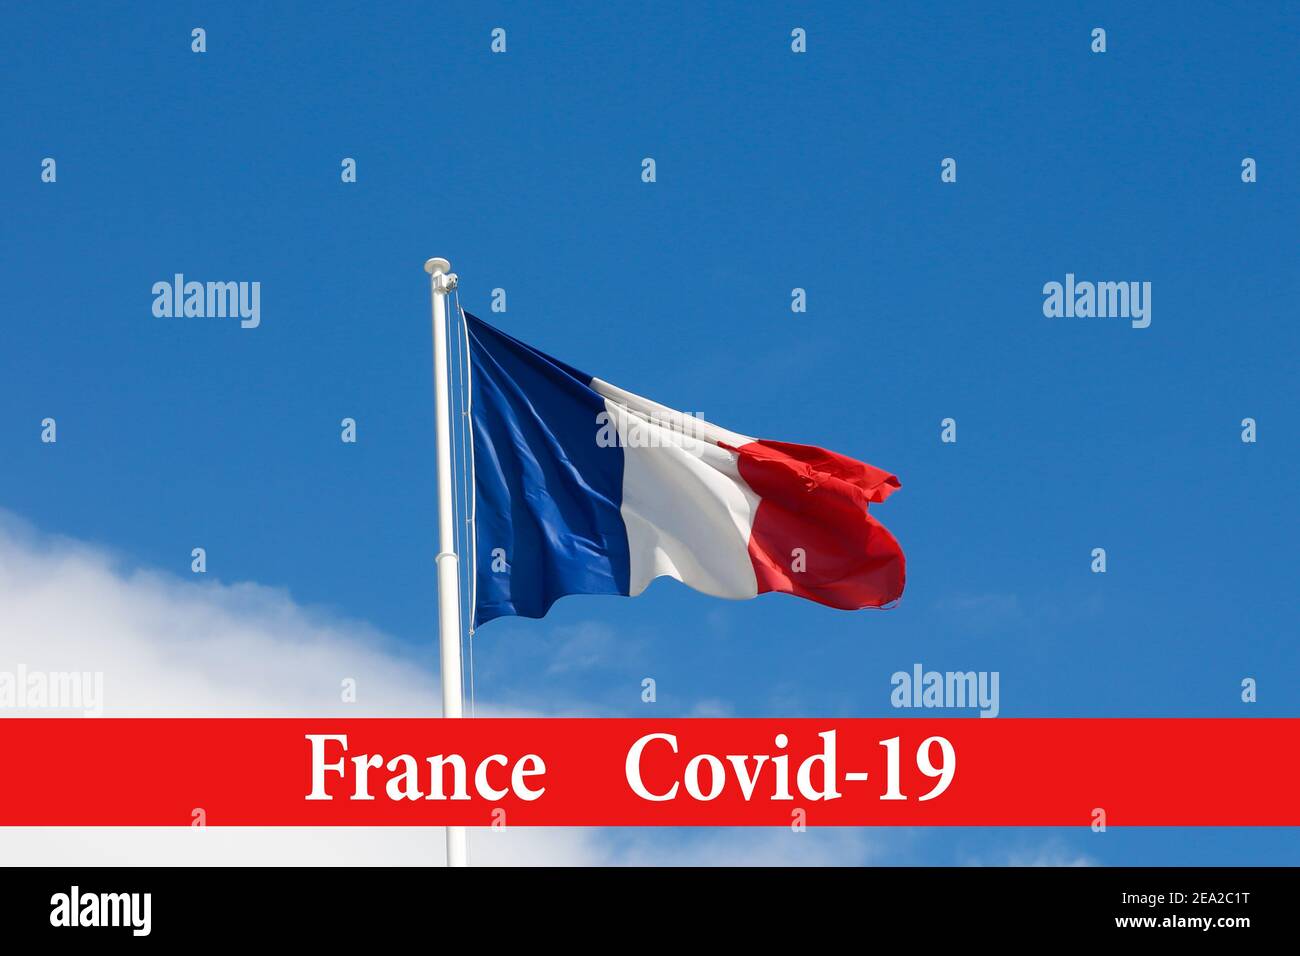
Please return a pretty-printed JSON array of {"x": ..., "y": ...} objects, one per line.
[{"x": 382, "y": 906}]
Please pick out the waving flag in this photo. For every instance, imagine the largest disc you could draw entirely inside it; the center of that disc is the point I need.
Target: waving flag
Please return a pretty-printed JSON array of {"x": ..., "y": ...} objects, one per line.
[{"x": 584, "y": 488}]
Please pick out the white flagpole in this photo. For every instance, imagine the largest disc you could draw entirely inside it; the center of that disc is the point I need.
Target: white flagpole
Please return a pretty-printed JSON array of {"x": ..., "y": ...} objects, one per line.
[{"x": 443, "y": 280}]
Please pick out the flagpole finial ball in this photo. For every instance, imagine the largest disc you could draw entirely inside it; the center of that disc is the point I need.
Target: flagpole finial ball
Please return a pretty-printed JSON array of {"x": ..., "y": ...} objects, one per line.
[{"x": 436, "y": 265}]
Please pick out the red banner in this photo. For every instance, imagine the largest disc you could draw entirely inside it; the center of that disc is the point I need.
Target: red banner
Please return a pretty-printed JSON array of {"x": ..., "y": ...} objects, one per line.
[{"x": 640, "y": 772}]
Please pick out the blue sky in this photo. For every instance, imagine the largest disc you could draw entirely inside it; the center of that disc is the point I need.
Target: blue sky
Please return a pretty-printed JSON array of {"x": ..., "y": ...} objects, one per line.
[{"x": 774, "y": 170}]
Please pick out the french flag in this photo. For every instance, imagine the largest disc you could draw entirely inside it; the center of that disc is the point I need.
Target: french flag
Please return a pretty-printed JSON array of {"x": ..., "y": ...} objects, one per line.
[{"x": 584, "y": 488}]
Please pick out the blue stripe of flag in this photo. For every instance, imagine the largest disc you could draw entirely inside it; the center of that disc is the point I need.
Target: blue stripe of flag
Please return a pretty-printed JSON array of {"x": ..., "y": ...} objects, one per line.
[{"x": 548, "y": 495}]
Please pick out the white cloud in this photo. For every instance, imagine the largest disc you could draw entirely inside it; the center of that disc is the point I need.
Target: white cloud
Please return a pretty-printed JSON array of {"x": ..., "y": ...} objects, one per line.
[
  {"x": 770, "y": 846},
  {"x": 712, "y": 707},
  {"x": 176, "y": 648},
  {"x": 293, "y": 846},
  {"x": 1050, "y": 852},
  {"x": 173, "y": 647},
  {"x": 415, "y": 846}
]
